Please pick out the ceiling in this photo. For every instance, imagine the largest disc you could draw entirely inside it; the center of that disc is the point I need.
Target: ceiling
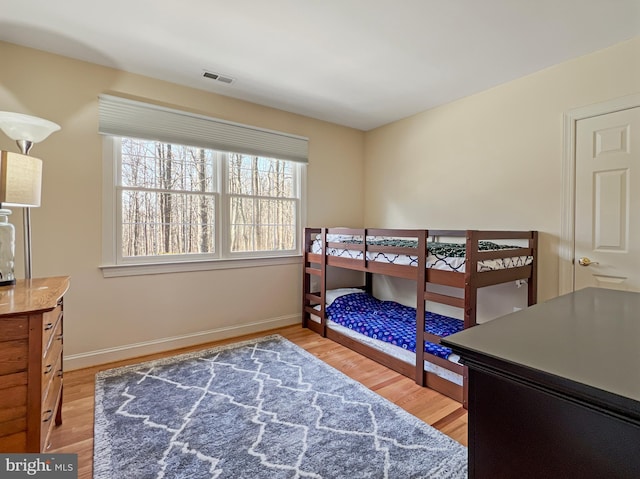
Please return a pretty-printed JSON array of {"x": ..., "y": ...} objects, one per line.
[{"x": 359, "y": 63}]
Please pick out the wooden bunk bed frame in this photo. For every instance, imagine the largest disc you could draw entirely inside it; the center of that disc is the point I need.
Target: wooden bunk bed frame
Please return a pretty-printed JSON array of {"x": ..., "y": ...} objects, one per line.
[{"x": 315, "y": 264}]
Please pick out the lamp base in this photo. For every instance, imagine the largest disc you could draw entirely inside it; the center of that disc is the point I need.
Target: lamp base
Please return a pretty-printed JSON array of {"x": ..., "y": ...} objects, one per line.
[{"x": 7, "y": 247}]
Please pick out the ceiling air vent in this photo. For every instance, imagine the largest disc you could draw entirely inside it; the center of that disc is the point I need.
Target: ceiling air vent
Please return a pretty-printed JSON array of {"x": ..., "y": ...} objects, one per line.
[{"x": 218, "y": 77}]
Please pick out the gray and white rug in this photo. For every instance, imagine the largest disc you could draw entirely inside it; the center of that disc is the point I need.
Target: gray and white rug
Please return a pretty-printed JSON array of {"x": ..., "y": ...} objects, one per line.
[{"x": 263, "y": 408}]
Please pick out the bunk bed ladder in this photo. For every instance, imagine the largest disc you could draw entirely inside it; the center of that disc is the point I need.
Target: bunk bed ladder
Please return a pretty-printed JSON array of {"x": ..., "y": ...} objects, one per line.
[
  {"x": 421, "y": 281},
  {"x": 309, "y": 298},
  {"x": 470, "y": 298},
  {"x": 424, "y": 294},
  {"x": 470, "y": 275},
  {"x": 323, "y": 282}
]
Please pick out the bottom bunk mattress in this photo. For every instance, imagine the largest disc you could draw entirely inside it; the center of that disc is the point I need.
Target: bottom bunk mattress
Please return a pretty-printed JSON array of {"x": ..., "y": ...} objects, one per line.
[{"x": 389, "y": 327}]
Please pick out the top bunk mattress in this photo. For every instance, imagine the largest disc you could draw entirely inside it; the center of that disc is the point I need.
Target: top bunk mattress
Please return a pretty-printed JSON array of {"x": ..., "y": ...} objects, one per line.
[{"x": 442, "y": 256}]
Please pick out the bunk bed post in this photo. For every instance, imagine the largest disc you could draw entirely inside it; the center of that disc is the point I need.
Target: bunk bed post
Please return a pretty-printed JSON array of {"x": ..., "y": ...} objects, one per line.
[
  {"x": 532, "y": 291},
  {"x": 306, "y": 279},
  {"x": 323, "y": 283},
  {"x": 365, "y": 253},
  {"x": 470, "y": 299},
  {"x": 368, "y": 282},
  {"x": 421, "y": 286},
  {"x": 368, "y": 276},
  {"x": 470, "y": 275}
]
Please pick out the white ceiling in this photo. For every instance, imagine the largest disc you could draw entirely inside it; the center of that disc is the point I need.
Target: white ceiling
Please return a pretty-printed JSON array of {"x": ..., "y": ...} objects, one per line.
[{"x": 360, "y": 63}]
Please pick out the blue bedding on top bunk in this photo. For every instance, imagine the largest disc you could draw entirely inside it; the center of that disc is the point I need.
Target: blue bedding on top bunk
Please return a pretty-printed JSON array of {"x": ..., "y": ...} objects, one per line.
[{"x": 390, "y": 321}]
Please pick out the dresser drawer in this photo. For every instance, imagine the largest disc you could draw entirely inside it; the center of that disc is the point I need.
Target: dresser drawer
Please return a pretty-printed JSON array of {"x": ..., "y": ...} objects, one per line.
[
  {"x": 14, "y": 356},
  {"x": 14, "y": 443},
  {"x": 13, "y": 403},
  {"x": 51, "y": 358},
  {"x": 13, "y": 417},
  {"x": 50, "y": 321},
  {"x": 50, "y": 405},
  {"x": 14, "y": 328}
]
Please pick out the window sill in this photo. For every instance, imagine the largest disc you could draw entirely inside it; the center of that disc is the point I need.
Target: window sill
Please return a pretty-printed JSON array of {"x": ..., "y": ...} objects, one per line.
[{"x": 139, "y": 269}]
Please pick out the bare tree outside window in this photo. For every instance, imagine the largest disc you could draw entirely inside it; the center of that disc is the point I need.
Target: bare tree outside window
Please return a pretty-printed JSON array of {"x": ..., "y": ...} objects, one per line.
[
  {"x": 168, "y": 198},
  {"x": 263, "y": 204},
  {"x": 170, "y": 195}
]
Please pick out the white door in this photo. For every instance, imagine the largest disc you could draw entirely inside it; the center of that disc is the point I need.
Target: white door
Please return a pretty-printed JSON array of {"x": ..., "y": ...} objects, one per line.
[{"x": 607, "y": 216}]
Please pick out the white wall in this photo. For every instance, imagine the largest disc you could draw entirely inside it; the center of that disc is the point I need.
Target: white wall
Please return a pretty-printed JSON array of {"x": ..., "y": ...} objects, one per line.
[
  {"x": 113, "y": 318},
  {"x": 493, "y": 301},
  {"x": 492, "y": 160}
]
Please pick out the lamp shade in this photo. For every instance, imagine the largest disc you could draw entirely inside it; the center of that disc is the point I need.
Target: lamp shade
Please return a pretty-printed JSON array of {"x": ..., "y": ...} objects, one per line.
[
  {"x": 20, "y": 179},
  {"x": 26, "y": 127}
]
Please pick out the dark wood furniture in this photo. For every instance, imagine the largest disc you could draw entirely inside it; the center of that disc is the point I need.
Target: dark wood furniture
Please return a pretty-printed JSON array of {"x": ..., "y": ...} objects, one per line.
[
  {"x": 554, "y": 390},
  {"x": 31, "y": 369},
  {"x": 469, "y": 281}
]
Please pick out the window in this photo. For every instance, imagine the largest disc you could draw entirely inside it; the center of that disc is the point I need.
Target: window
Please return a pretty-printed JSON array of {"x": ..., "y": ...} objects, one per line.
[
  {"x": 263, "y": 204},
  {"x": 167, "y": 199},
  {"x": 172, "y": 203}
]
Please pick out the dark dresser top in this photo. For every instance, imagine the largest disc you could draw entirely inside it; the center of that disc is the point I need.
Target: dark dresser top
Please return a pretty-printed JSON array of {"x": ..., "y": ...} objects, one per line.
[{"x": 589, "y": 340}]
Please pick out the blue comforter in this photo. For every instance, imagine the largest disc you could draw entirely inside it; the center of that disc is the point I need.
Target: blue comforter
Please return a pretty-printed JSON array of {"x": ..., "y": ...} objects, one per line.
[{"x": 390, "y": 321}]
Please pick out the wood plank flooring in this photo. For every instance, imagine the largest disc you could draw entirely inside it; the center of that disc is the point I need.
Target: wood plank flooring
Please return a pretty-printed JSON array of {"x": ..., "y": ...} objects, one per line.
[{"x": 75, "y": 435}]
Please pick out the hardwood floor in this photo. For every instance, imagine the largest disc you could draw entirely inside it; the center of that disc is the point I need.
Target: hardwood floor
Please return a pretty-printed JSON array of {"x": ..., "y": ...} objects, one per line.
[{"x": 75, "y": 435}]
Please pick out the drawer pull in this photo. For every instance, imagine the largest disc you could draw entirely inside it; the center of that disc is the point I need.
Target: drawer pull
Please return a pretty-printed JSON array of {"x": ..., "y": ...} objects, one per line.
[
  {"x": 48, "y": 368},
  {"x": 59, "y": 337},
  {"x": 60, "y": 373},
  {"x": 48, "y": 326},
  {"x": 48, "y": 414}
]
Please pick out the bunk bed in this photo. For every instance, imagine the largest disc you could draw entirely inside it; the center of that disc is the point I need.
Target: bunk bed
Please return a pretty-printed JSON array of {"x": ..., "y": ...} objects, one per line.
[{"x": 464, "y": 259}]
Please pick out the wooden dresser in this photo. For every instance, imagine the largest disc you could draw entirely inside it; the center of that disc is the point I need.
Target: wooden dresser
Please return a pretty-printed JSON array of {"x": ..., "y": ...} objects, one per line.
[
  {"x": 31, "y": 314},
  {"x": 554, "y": 389}
]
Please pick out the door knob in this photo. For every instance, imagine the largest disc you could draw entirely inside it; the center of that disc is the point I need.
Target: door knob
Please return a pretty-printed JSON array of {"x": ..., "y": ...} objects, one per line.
[{"x": 586, "y": 261}]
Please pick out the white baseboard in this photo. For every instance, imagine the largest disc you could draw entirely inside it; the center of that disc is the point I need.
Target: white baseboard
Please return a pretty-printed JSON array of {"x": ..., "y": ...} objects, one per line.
[{"x": 127, "y": 351}]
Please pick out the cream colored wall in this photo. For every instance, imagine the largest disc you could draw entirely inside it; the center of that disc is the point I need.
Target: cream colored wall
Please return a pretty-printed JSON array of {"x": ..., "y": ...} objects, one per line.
[
  {"x": 121, "y": 317},
  {"x": 492, "y": 160}
]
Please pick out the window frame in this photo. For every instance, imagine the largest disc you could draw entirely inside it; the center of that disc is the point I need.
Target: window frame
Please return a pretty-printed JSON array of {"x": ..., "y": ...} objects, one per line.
[
  {"x": 226, "y": 211},
  {"x": 113, "y": 262}
]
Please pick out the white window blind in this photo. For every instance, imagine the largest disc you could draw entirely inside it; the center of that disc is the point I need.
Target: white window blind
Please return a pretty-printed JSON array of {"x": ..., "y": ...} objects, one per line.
[{"x": 129, "y": 118}]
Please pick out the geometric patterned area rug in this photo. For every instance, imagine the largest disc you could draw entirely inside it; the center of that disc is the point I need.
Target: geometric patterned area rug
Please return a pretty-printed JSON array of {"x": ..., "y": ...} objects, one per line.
[{"x": 260, "y": 409}]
